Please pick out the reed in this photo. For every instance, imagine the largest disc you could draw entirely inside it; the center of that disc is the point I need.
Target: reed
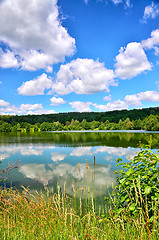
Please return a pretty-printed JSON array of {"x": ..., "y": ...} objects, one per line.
[
  {"x": 55, "y": 215},
  {"x": 52, "y": 216}
]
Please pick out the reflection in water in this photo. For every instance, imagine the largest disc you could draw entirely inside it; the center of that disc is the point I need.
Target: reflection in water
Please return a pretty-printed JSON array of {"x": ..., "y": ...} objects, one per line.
[
  {"x": 58, "y": 156},
  {"x": 25, "y": 150},
  {"x": 97, "y": 177},
  {"x": 48, "y": 159},
  {"x": 107, "y": 138},
  {"x": 36, "y": 172},
  {"x": 32, "y": 151},
  {"x": 109, "y": 158},
  {"x": 4, "y": 156},
  {"x": 81, "y": 151},
  {"x": 128, "y": 152},
  {"x": 41, "y": 170}
]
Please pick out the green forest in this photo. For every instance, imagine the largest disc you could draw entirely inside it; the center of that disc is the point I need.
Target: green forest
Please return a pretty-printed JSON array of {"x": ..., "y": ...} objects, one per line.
[{"x": 137, "y": 119}]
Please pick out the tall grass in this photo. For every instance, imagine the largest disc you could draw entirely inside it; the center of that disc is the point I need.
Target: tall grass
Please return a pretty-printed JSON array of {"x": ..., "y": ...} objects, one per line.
[
  {"x": 48, "y": 215},
  {"x": 52, "y": 216}
]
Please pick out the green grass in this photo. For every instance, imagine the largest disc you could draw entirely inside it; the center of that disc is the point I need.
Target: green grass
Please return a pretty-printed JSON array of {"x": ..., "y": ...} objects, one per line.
[
  {"x": 131, "y": 212},
  {"x": 52, "y": 216}
]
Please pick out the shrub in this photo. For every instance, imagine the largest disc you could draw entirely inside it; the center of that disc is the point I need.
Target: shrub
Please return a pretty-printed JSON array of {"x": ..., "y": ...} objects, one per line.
[{"x": 136, "y": 194}]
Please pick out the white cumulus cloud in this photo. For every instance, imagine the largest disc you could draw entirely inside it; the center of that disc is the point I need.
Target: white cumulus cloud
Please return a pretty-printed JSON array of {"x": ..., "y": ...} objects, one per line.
[
  {"x": 116, "y": 2},
  {"x": 83, "y": 76},
  {"x": 10, "y": 110},
  {"x": 151, "y": 11},
  {"x": 36, "y": 86},
  {"x": 115, "y": 105},
  {"x": 8, "y": 59},
  {"x": 152, "y": 41},
  {"x": 127, "y": 3},
  {"x": 3, "y": 103},
  {"x": 107, "y": 98},
  {"x": 41, "y": 111},
  {"x": 135, "y": 99},
  {"x": 131, "y": 61},
  {"x": 23, "y": 109},
  {"x": 26, "y": 107},
  {"x": 57, "y": 101},
  {"x": 33, "y": 31},
  {"x": 151, "y": 96},
  {"x": 81, "y": 106}
]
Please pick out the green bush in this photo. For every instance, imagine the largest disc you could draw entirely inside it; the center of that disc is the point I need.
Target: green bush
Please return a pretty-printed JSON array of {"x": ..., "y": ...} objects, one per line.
[{"x": 137, "y": 191}]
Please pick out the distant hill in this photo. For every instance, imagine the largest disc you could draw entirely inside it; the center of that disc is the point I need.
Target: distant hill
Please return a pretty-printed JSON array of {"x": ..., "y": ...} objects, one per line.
[{"x": 112, "y": 116}]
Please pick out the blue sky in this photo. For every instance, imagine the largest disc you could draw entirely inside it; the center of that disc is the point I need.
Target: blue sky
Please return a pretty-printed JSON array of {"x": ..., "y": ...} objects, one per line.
[{"x": 78, "y": 55}]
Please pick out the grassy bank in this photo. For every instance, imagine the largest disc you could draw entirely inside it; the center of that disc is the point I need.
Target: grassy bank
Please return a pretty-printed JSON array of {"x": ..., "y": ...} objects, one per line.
[
  {"x": 130, "y": 212},
  {"x": 52, "y": 216}
]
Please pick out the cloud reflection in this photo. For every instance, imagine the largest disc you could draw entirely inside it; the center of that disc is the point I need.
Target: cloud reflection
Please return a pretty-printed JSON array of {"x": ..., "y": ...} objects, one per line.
[
  {"x": 97, "y": 179},
  {"x": 4, "y": 156},
  {"x": 58, "y": 156},
  {"x": 25, "y": 150},
  {"x": 31, "y": 151},
  {"x": 81, "y": 151},
  {"x": 128, "y": 152},
  {"x": 36, "y": 172}
]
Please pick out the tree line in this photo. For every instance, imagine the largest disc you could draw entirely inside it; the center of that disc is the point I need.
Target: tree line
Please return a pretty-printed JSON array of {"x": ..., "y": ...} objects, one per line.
[
  {"x": 111, "y": 116},
  {"x": 149, "y": 123}
]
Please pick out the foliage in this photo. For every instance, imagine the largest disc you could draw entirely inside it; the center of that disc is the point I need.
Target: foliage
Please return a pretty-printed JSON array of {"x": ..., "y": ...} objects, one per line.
[
  {"x": 25, "y": 215},
  {"x": 4, "y": 173},
  {"x": 102, "y": 117},
  {"x": 132, "y": 214},
  {"x": 137, "y": 191},
  {"x": 5, "y": 127},
  {"x": 149, "y": 123}
]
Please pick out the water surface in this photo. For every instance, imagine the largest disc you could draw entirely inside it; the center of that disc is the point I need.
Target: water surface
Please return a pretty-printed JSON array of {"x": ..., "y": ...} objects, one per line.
[{"x": 49, "y": 159}]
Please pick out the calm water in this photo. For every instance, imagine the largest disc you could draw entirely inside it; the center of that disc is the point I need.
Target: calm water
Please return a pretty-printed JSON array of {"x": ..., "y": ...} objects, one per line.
[{"x": 48, "y": 159}]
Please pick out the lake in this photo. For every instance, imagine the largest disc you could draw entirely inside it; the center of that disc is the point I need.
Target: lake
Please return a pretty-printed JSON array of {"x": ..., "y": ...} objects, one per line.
[{"x": 66, "y": 159}]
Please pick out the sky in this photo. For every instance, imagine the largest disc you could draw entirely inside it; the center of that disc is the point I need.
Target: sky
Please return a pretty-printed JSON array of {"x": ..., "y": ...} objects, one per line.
[{"x": 78, "y": 55}]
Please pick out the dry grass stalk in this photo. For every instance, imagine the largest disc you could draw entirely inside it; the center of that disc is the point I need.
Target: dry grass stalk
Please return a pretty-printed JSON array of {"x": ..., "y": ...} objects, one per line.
[
  {"x": 79, "y": 167},
  {"x": 94, "y": 161}
]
